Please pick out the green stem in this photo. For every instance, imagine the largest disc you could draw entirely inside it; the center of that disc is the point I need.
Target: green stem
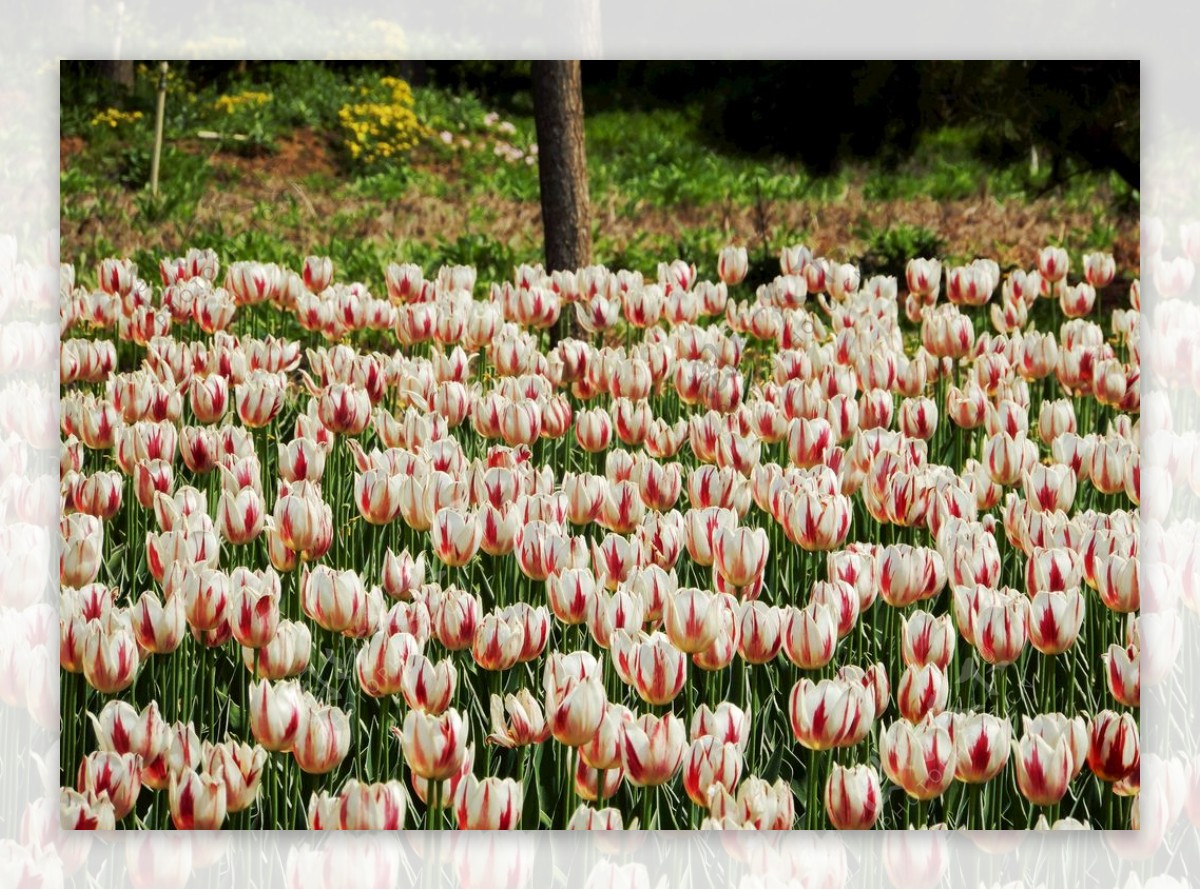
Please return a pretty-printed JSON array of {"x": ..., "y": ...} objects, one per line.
[
  {"x": 811, "y": 816},
  {"x": 435, "y": 810}
]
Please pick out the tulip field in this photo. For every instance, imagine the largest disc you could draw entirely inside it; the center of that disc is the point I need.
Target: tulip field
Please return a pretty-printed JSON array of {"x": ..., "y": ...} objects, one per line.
[{"x": 600, "y": 549}]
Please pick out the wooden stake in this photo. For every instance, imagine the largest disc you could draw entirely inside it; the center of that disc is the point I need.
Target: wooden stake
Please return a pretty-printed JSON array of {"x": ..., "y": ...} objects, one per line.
[{"x": 159, "y": 109}]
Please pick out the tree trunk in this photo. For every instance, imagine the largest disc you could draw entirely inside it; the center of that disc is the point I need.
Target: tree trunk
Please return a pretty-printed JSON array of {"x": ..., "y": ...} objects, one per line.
[
  {"x": 119, "y": 73},
  {"x": 562, "y": 164},
  {"x": 413, "y": 71}
]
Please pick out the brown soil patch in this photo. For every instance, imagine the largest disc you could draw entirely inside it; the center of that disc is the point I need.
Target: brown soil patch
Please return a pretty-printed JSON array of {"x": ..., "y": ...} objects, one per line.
[
  {"x": 304, "y": 153},
  {"x": 68, "y": 147},
  {"x": 1011, "y": 232}
]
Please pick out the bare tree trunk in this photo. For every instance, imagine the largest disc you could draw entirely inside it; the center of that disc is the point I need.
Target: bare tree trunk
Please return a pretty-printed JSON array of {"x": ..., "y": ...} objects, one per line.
[
  {"x": 562, "y": 164},
  {"x": 413, "y": 71},
  {"x": 119, "y": 73}
]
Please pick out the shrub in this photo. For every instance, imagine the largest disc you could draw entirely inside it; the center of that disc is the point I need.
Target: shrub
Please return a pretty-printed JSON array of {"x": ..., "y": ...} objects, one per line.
[
  {"x": 887, "y": 251},
  {"x": 383, "y": 126}
]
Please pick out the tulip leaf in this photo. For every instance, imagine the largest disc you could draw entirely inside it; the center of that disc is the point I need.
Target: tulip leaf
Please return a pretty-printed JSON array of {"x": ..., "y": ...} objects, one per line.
[
  {"x": 533, "y": 783},
  {"x": 771, "y": 771}
]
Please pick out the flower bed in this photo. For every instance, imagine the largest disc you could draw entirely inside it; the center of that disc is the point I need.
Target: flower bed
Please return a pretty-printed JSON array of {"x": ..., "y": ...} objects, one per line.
[{"x": 592, "y": 550}]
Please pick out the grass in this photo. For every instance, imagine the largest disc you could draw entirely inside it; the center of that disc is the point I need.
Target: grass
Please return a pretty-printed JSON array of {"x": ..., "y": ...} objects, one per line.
[{"x": 656, "y": 186}]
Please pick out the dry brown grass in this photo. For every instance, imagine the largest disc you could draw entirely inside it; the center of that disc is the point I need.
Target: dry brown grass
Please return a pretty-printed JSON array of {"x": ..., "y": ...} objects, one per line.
[{"x": 1009, "y": 231}]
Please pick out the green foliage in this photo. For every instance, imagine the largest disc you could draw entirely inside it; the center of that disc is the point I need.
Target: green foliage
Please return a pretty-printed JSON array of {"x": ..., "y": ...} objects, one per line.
[
  {"x": 305, "y": 93},
  {"x": 493, "y": 259},
  {"x": 383, "y": 185},
  {"x": 75, "y": 182},
  {"x": 887, "y": 250},
  {"x": 652, "y": 172},
  {"x": 245, "y": 122},
  {"x": 458, "y": 112},
  {"x": 476, "y": 148},
  {"x": 638, "y": 159},
  {"x": 657, "y": 159}
]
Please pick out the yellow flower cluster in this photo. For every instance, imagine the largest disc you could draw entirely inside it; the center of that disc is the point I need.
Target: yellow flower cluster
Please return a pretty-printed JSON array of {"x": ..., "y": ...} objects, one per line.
[
  {"x": 384, "y": 125},
  {"x": 229, "y": 104},
  {"x": 113, "y": 117}
]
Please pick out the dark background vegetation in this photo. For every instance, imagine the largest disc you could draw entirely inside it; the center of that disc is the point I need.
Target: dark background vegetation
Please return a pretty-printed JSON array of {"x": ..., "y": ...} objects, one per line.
[
  {"x": 871, "y": 162},
  {"x": 824, "y": 113}
]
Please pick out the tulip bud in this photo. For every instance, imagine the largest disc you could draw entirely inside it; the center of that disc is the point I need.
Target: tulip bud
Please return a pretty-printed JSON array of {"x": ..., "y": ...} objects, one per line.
[
  {"x": 498, "y": 643},
  {"x": 209, "y": 397},
  {"x": 116, "y": 775},
  {"x": 659, "y": 670},
  {"x": 323, "y": 739},
  {"x": 1001, "y": 628},
  {"x": 402, "y": 574},
  {"x": 586, "y": 818},
  {"x": 254, "y": 609},
  {"x": 85, "y": 812},
  {"x": 490, "y": 804},
  {"x": 575, "y": 710},
  {"x": 434, "y": 746},
  {"x": 240, "y": 767},
  {"x": 928, "y": 640},
  {"x": 708, "y": 762},
  {"x": 829, "y": 713},
  {"x": 1113, "y": 750},
  {"x": 380, "y": 806},
  {"x": 1099, "y": 269},
  {"x": 852, "y": 797},
  {"x": 1055, "y": 618},
  {"x": 1053, "y": 263},
  {"x": 276, "y": 713},
  {"x": 692, "y": 619},
  {"x": 1124, "y": 670},
  {"x": 120, "y": 729},
  {"x": 456, "y": 537},
  {"x": 923, "y": 690},
  {"x": 456, "y": 619},
  {"x": 287, "y": 654},
  {"x": 654, "y": 749},
  {"x": 198, "y": 801},
  {"x": 1043, "y": 769},
  {"x": 732, "y": 264},
  {"x": 919, "y": 758},
  {"x": 760, "y": 632},
  {"x": 302, "y": 459},
  {"x": 428, "y": 686},
  {"x": 983, "y": 743},
  {"x": 810, "y": 635},
  {"x": 380, "y": 664},
  {"x": 110, "y": 654},
  {"x": 331, "y": 598},
  {"x": 159, "y": 626}
]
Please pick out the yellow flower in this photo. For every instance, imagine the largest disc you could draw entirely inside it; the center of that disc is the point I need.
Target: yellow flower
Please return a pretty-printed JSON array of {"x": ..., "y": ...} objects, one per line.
[
  {"x": 113, "y": 118},
  {"x": 385, "y": 124},
  {"x": 229, "y": 104}
]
